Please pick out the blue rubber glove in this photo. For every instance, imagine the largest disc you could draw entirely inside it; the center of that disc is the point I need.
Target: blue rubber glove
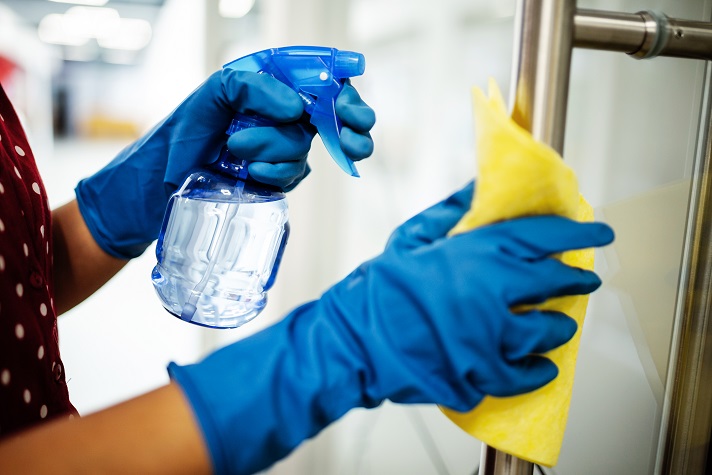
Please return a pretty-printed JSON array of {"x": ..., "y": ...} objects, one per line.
[
  {"x": 268, "y": 149},
  {"x": 427, "y": 321},
  {"x": 123, "y": 204}
]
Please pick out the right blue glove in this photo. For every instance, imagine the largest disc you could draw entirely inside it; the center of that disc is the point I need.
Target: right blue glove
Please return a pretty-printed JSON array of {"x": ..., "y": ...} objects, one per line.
[{"x": 427, "y": 321}]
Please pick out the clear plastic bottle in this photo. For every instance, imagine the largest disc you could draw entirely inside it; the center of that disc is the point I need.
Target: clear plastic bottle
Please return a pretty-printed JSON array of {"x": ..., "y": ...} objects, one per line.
[
  {"x": 219, "y": 249},
  {"x": 223, "y": 236}
]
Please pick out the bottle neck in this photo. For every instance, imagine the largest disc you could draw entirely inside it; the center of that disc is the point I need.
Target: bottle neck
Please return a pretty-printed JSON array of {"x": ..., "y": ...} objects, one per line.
[
  {"x": 226, "y": 162},
  {"x": 226, "y": 165},
  {"x": 238, "y": 171}
]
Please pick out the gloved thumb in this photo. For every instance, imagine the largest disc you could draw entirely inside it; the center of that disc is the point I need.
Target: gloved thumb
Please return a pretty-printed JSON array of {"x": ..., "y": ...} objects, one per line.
[
  {"x": 433, "y": 223},
  {"x": 261, "y": 94}
]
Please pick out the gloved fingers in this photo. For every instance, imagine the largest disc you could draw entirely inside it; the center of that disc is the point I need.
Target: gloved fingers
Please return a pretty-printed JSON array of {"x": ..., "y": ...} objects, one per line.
[
  {"x": 356, "y": 146},
  {"x": 291, "y": 186},
  {"x": 536, "y": 332},
  {"x": 353, "y": 111},
  {"x": 261, "y": 94},
  {"x": 433, "y": 223},
  {"x": 523, "y": 376},
  {"x": 285, "y": 175},
  {"x": 536, "y": 237},
  {"x": 285, "y": 143},
  {"x": 535, "y": 282}
]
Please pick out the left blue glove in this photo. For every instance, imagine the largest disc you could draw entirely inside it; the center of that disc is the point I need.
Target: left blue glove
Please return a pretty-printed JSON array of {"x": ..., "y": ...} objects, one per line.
[{"x": 123, "y": 204}]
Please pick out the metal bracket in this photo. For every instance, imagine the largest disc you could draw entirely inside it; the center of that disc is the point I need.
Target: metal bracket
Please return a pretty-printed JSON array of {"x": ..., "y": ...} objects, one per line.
[{"x": 643, "y": 35}]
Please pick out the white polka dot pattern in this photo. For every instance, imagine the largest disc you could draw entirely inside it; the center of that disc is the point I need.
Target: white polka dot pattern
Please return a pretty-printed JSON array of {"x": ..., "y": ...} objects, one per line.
[{"x": 32, "y": 377}]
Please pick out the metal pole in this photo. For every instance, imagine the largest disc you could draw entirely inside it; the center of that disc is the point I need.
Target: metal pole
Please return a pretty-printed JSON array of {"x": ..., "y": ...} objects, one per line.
[
  {"x": 540, "y": 75},
  {"x": 540, "y": 85},
  {"x": 493, "y": 462},
  {"x": 610, "y": 31}
]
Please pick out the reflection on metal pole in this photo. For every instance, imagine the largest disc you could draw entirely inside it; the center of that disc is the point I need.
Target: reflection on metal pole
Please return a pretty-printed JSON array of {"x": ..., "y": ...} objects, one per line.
[
  {"x": 540, "y": 84},
  {"x": 540, "y": 74},
  {"x": 610, "y": 31}
]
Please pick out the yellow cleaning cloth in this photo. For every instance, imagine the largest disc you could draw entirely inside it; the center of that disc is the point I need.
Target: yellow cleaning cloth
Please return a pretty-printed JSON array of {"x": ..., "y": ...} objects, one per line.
[{"x": 518, "y": 176}]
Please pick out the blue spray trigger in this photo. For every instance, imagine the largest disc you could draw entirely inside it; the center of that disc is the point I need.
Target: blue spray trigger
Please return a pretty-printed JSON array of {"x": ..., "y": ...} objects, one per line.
[
  {"x": 318, "y": 75},
  {"x": 324, "y": 119}
]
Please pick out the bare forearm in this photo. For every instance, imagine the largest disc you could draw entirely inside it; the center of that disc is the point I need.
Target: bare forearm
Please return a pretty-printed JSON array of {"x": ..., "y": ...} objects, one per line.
[
  {"x": 152, "y": 434},
  {"x": 81, "y": 267}
]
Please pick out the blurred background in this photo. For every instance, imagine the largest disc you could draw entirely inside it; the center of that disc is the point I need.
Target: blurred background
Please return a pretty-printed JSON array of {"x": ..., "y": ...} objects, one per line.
[{"x": 88, "y": 77}]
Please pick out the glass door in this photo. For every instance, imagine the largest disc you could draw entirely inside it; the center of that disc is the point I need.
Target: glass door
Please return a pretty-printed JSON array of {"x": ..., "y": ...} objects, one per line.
[{"x": 632, "y": 135}]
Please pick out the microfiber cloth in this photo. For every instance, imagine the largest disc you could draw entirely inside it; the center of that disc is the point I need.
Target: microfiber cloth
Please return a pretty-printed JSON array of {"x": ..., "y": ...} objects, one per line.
[{"x": 518, "y": 176}]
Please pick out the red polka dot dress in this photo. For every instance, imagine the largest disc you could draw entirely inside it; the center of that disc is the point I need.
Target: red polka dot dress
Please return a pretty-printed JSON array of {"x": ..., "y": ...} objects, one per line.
[{"x": 32, "y": 384}]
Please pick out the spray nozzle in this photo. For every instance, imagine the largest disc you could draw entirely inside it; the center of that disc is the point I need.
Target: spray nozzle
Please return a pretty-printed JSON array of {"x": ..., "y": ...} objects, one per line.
[
  {"x": 348, "y": 64},
  {"x": 317, "y": 74}
]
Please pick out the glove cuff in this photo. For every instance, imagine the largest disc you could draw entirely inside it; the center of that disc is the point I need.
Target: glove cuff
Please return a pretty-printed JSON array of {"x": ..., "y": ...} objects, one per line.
[
  {"x": 258, "y": 399},
  {"x": 123, "y": 203},
  {"x": 95, "y": 216},
  {"x": 203, "y": 414}
]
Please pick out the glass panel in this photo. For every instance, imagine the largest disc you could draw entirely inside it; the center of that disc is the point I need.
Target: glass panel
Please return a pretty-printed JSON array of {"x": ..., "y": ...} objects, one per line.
[{"x": 631, "y": 135}]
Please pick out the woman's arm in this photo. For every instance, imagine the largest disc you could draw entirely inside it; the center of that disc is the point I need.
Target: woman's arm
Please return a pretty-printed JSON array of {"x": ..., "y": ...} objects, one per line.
[
  {"x": 81, "y": 267},
  {"x": 153, "y": 434}
]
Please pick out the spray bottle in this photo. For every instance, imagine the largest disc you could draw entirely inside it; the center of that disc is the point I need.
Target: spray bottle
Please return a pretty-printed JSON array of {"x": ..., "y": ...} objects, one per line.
[{"x": 223, "y": 235}]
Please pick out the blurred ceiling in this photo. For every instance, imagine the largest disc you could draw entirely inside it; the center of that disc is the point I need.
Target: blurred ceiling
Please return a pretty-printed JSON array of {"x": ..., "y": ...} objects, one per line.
[
  {"x": 34, "y": 10},
  {"x": 80, "y": 28}
]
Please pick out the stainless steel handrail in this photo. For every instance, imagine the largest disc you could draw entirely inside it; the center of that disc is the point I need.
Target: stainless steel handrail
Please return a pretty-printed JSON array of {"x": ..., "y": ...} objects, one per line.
[{"x": 540, "y": 84}]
